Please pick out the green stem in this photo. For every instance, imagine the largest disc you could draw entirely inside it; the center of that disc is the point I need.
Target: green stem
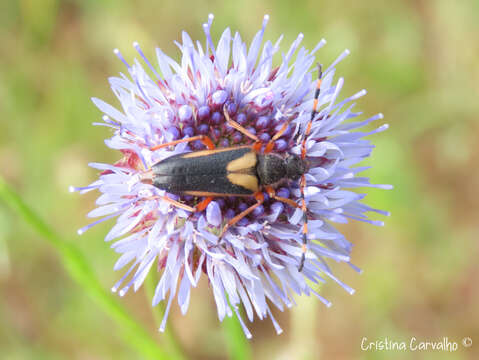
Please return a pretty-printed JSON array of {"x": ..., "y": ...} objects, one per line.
[{"x": 78, "y": 268}]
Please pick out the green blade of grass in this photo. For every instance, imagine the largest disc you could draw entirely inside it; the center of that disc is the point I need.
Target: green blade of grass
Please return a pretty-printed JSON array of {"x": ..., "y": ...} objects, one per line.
[{"x": 79, "y": 270}]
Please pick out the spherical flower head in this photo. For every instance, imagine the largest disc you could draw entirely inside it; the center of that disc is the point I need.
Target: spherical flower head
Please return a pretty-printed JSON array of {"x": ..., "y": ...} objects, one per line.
[{"x": 255, "y": 261}]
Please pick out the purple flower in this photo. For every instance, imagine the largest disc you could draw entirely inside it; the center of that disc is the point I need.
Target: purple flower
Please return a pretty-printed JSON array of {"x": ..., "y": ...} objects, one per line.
[{"x": 255, "y": 263}]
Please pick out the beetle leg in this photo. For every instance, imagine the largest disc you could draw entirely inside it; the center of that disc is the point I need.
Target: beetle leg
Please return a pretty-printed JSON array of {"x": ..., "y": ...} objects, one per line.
[
  {"x": 178, "y": 204},
  {"x": 259, "y": 198},
  {"x": 203, "y": 138},
  {"x": 204, "y": 203},
  {"x": 270, "y": 145},
  {"x": 272, "y": 194},
  {"x": 199, "y": 207},
  {"x": 238, "y": 127}
]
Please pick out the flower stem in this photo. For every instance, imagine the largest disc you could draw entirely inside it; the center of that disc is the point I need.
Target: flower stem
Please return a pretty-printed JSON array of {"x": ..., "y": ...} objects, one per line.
[{"x": 78, "y": 268}]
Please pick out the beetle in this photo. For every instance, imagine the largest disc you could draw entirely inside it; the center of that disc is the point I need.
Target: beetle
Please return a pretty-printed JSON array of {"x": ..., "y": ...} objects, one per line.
[{"x": 238, "y": 171}]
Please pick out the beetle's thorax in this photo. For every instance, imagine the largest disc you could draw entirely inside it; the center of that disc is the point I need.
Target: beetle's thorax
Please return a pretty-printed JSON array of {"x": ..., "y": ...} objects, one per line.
[{"x": 272, "y": 168}]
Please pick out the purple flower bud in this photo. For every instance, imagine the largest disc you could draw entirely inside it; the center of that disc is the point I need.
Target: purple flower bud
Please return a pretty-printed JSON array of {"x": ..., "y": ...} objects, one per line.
[
  {"x": 237, "y": 137},
  {"x": 219, "y": 98},
  {"x": 224, "y": 143},
  {"x": 203, "y": 112},
  {"x": 251, "y": 130},
  {"x": 242, "y": 206},
  {"x": 243, "y": 222},
  {"x": 230, "y": 213},
  {"x": 286, "y": 133},
  {"x": 283, "y": 192},
  {"x": 221, "y": 202},
  {"x": 216, "y": 118},
  {"x": 262, "y": 122},
  {"x": 265, "y": 137},
  {"x": 175, "y": 132},
  {"x": 188, "y": 131},
  {"x": 258, "y": 211},
  {"x": 203, "y": 129},
  {"x": 231, "y": 108},
  {"x": 280, "y": 145},
  {"x": 241, "y": 118},
  {"x": 229, "y": 129},
  {"x": 185, "y": 113},
  {"x": 197, "y": 145}
]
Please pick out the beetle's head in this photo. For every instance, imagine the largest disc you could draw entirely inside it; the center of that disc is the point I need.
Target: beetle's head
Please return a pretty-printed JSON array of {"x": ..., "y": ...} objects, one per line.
[{"x": 295, "y": 166}]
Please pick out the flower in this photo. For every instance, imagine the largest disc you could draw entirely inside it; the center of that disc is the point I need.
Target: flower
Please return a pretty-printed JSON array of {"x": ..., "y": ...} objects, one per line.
[{"x": 255, "y": 262}]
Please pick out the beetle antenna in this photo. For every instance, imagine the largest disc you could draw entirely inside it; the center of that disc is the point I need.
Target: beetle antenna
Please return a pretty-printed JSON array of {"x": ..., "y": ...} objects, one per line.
[
  {"x": 305, "y": 224},
  {"x": 303, "y": 177},
  {"x": 318, "y": 90}
]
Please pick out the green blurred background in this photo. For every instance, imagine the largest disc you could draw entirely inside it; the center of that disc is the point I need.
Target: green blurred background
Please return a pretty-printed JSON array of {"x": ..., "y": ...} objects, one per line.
[{"x": 419, "y": 61}]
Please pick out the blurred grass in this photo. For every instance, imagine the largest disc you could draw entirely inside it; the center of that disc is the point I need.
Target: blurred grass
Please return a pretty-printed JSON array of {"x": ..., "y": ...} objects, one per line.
[
  {"x": 236, "y": 342},
  {"x": 80, "y": 271},
  {"x": 172, "y": 344},
  {"x": 417, "y": 59}
]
